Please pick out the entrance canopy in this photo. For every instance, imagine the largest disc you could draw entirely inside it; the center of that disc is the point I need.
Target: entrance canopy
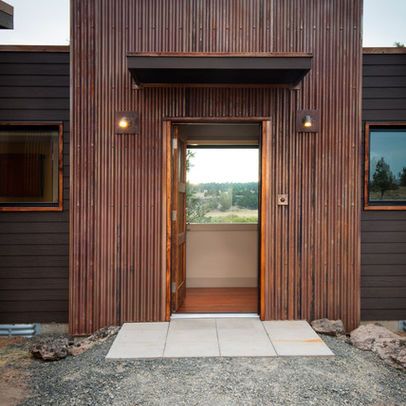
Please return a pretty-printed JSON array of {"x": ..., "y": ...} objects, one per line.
[{"x": 194, "y": 69}]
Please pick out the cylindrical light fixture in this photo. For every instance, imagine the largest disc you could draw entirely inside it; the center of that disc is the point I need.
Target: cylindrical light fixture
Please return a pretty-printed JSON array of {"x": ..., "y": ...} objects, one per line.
[{"x": 307, "y": 121}]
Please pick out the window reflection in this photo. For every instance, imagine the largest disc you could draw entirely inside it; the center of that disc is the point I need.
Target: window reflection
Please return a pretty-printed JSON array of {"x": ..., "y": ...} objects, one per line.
[
  {"x": 29, "y": 160},
  {"x": 387, "y": 165}
]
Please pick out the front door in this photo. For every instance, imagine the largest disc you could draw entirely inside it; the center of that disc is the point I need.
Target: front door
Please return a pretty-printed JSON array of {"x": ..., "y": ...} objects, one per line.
[{"x": 178, "y": 249}]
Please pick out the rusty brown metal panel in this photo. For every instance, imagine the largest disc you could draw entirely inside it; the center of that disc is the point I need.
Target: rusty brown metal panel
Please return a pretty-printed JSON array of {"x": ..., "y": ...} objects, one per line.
[{"x": 116, "y": 183}]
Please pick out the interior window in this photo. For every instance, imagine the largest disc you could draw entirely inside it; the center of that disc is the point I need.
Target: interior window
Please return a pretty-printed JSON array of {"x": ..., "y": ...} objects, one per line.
[
  {"x": 29, "y": 166},
  {"x": 222, "y": 185},
  {"x": 386, "y": 166}
]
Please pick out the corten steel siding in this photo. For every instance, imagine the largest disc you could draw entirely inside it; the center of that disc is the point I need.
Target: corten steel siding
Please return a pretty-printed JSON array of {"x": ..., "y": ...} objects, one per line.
[
  {"x": 313, "y": 262},
  {"x": 383, "y": 282},
  {"x": 34, "y": 86}
]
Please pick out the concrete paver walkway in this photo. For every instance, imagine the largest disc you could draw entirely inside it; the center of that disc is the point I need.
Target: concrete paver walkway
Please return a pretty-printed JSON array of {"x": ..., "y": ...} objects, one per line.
[{"x": 216, "y": 337}]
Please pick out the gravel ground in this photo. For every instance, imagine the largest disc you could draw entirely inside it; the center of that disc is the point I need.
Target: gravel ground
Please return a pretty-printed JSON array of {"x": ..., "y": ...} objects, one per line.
[{"x": 353, "y": 378}]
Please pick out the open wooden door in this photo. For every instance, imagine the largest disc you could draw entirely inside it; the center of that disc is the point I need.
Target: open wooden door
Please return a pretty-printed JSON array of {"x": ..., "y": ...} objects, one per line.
[{"x": 178, "y": 218}]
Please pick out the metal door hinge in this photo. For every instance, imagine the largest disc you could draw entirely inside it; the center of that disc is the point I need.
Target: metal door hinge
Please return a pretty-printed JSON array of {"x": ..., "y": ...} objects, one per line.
[
  {"x": 174, "y": 215},
  {"x": 173, "y": 287}
]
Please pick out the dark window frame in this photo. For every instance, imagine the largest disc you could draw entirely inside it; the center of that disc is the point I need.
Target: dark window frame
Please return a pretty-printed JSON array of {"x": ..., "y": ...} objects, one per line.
[
  {"x": 369, "y": 126},
  {"x": 39, "y": 207}
]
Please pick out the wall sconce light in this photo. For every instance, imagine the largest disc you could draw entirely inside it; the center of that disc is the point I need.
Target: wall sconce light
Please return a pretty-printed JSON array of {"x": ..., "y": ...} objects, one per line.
[
  {"x": 123, "y": 123},
  {"x": 126, "y": 122},
  {"x": 308, "y": 121}
]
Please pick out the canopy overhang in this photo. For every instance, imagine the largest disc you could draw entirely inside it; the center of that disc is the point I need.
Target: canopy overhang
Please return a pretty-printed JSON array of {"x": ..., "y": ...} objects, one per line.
[
  {"x": 6, "y": 16},
  {"x": 195, "y": 69}
]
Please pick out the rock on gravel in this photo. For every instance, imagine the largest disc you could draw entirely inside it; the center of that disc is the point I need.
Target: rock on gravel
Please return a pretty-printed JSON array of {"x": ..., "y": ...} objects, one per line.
[
  {"x": 55, "y": 348},
  {"x": 388, "y": 345},
  {"x": 328, "y": 327},
  {"x": 99, "y": 336},
  {"x": 51, "y": 349}
]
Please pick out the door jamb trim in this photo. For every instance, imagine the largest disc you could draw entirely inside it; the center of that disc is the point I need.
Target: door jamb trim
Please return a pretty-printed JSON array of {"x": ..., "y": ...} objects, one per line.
[{"x": 166, "y": 199}]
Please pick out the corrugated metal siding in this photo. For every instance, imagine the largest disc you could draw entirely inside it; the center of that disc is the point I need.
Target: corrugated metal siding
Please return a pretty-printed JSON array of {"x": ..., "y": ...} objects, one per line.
[
  {"x": 34, "y": 86},
  {"x": 116, "y": 234},
  {"x": 383, "y": 282}
]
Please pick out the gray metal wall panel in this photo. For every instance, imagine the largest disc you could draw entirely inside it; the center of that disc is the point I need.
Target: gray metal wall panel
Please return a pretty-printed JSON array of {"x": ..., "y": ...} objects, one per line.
[
  {"x": 383, "y": 271},
  {"x": 34, "y": 86}
]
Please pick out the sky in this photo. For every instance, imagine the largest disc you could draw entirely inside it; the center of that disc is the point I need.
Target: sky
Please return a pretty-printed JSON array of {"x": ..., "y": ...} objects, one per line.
[
  {"x": 38, "y": 22},
  {"x": 46, "y": 22},
  {"x": 224, "y": 165}
]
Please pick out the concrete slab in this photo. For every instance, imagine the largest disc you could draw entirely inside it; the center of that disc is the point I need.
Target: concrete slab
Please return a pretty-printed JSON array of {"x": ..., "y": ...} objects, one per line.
[
  {"x": 243, "y": 338},
  {"x": 228, "y": 337},
  {"x": 295, "y": 338},
  {"x": 139, "y": 340},
  {"x": 192, "y": 338}
]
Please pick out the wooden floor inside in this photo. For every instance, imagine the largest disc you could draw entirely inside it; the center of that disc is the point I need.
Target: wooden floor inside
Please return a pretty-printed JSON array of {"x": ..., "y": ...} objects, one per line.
[{"x": 220, "y": 300}]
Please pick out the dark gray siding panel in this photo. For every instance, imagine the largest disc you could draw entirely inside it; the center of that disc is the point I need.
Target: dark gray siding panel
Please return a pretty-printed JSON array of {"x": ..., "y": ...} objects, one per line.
[
  {"x": 34, "y": 247},
  {"x": 383, "y": 272}
]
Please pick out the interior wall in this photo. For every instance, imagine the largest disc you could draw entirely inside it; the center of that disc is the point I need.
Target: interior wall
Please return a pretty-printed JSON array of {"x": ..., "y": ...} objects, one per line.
[{"x": 222, "y": 255}]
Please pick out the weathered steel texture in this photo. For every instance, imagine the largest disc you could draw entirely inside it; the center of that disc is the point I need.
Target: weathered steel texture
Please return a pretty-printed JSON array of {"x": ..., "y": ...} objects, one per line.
[{"x": 313, "y": 260}]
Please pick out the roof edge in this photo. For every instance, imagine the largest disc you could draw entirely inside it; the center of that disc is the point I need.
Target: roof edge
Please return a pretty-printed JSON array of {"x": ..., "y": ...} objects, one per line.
[
  {"x": 384, "y": 50},
  {"x": 34, "y": 48},
  {"x": 66, "y": 48},
  {"x": 6, "y": 8},
  {"x": 223, "y": 54}
]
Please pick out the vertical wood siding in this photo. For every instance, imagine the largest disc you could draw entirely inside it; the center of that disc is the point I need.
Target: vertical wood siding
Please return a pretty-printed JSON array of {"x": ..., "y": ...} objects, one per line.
[
  {"x": 34, "y": 86},
  {"x": 383, "y": 275},
  {"x": 116, "y": 232}
]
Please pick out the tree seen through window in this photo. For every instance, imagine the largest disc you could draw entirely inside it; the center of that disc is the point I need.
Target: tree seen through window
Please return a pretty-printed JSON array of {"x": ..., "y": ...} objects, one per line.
[{"x": 222, "y": 185}]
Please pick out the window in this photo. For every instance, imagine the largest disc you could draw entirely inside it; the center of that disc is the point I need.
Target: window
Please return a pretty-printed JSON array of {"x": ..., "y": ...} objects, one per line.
[
  {"x": 30, "y": 167},
  {"x": 385, "y": 166},
  {"x": 222, "y": 185}
]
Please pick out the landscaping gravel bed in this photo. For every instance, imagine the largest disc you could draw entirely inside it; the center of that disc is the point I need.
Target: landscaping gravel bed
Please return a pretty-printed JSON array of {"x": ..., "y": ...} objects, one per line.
[{"x": 353, "y": 377}]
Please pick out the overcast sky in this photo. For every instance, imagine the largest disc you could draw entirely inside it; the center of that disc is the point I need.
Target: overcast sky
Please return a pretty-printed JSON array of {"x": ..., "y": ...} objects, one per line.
[
  {"x": 224, "y": 165},
  {"x": 46, "y": 22}
]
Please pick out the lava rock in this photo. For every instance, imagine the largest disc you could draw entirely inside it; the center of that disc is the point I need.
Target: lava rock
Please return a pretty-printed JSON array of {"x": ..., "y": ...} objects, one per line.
[
  {"x": 400, "y": 358},
  {"x": 99, "y": 336},
  {"x": 56, "y": 348},
  {"x": 104, "y": 333},
  {"x": 81, "y": 347},
  {"x": 329, "y": 327},
  {"x": 364, "y": 337},
  {"x": 51, "y": 349},
  {"x": 386, "y": 344}
]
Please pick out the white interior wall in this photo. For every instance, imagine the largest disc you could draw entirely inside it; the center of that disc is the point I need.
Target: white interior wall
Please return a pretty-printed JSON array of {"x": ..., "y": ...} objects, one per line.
[{"x": 222, "y": 255}]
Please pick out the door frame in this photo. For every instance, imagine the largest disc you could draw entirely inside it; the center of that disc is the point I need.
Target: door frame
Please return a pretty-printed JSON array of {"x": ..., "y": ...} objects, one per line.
[{"x": 264, "y": 144}]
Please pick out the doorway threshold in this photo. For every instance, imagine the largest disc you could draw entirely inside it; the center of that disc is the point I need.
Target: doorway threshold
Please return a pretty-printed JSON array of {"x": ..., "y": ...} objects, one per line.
[{"x": 177, "y": 316}]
